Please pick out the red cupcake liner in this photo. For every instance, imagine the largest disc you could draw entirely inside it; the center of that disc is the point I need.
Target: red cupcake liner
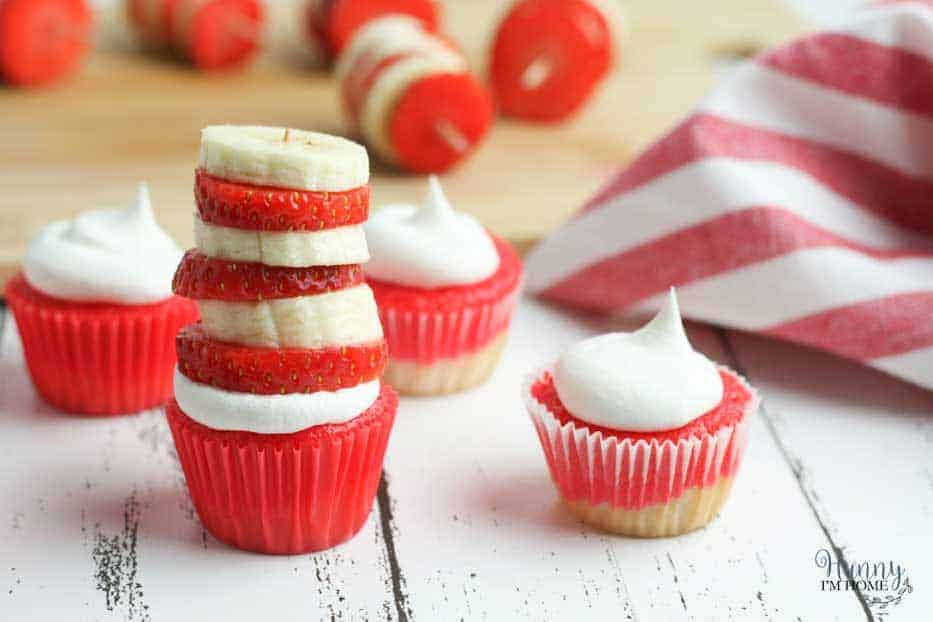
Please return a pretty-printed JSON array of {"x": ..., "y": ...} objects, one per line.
[
  {"x": 98, "y": 359},
  {"x": 425, "y": 336},
  {"x": 424, "y": 325},
  {"x": 597, "y": 468},
  {"x": 285, "y": 494}
]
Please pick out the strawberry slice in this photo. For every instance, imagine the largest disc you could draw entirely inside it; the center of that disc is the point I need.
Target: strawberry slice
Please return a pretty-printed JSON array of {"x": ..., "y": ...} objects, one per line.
[
  {"x": 335, "y": 21},
  {"x": 269, "y": 371},
  {"x": 42, "y": 40},
  {"x": 438, "y": 121},
  {"x": 201, "y": 277},
  {"x": 224, "y": 34},
  {"x": 244, "y": 206},
  {"x": 548, "y": 58}
]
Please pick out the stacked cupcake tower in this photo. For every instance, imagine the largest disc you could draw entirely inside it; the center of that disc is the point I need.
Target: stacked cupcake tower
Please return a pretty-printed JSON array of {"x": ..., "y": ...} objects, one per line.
[{"x": 280, "y": 418}]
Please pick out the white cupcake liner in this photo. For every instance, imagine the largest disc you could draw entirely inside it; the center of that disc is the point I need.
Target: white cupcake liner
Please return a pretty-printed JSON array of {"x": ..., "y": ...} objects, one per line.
[{"x": 590, "y": 467}]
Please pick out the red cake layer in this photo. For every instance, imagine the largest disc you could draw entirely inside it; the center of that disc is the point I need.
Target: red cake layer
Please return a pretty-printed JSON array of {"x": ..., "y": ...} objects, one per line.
[
  {"x": 244, "y": 206},
  {"x": 634, "y": 470},
  {"x": 457, "y": 297},
  {"x": 202, "y": 277},
  {"x": 730, "y": 411},
  {"x": 271, "y": 371}
]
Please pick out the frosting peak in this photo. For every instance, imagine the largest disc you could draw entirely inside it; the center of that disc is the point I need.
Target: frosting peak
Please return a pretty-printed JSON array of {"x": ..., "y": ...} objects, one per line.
[
  {"x": 429, "y": 246},
  {"x": 110, "y": 255},
  {"x": 650, "y": 380}
]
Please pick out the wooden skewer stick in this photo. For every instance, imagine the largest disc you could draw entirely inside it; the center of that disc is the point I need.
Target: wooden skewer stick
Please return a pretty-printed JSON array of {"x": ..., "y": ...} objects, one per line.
[{"x": 452, "y": 136}]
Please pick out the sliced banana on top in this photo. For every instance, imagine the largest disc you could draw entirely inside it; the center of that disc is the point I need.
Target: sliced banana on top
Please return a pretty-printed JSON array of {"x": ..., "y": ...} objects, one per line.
[{"x": 283, "y": 158}]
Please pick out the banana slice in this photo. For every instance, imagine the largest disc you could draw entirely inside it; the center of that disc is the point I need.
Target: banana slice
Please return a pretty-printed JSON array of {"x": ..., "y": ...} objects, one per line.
[
  {"x": 329, "y": 247},
  {"x": 341, "y": 318},
  {"x": 391, "y": 85},
  {"x": 283, "y": 158},
  {"x": 381, "y": 38}
]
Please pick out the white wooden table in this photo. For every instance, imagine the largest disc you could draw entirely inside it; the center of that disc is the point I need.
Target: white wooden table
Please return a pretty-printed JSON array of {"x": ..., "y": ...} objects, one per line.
[{"x": 96, "y": 524}]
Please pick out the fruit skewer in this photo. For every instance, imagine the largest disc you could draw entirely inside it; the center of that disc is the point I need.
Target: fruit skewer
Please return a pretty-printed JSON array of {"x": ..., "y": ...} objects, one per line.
[
  {"x": 410, "y": 95},
  {"x": 211, "y": 34}
]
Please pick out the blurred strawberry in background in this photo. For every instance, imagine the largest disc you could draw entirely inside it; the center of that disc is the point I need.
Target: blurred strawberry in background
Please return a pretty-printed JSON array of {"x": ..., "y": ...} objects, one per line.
[
  {"x": 42, "y": 40},
  {"x": 549, "y": 56},
  {"x": 211, "y": 34},
  {"x": 333, "y": 22}
]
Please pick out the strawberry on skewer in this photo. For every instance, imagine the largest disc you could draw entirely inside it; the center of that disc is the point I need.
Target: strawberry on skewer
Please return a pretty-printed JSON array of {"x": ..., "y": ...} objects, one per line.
[
  {"x": 211, "y": 34},
  {"x": 548, "y": 58},
  {"x": 334, "y": 22},
  {"x": 42, "y": 40},
  {"x": 411, "y": 96}
]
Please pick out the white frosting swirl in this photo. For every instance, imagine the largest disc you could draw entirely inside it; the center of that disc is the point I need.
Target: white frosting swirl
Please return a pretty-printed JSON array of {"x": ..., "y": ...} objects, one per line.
[
  {"x": 430, "y": 247},
  {"x": 647, "y": 381},
  {"x": 271, "y": 414},
  {"x": 110, "y": 255}
]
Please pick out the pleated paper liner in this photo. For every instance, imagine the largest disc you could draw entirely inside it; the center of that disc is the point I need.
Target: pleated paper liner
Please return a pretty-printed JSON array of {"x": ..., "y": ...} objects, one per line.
[
  {"x": 449, "y": 339},
  {"x": 98, "y": 359},
  {"x": 641, "y": 487},
  {"x": 285, "y": 494}
]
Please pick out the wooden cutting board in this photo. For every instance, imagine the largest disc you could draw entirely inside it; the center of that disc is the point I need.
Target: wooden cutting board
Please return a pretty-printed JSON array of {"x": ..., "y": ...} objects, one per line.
[{"x": 129, "y": 117}]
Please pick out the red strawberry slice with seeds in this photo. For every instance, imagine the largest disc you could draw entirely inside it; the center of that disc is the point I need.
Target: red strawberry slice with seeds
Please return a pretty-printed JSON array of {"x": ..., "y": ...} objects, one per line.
[
  {"x": 269, "y": 371},
  {"x": 201, "y": 277},
  {"x": 263, "y": 208},
  {"x": 548, "y": 58}
]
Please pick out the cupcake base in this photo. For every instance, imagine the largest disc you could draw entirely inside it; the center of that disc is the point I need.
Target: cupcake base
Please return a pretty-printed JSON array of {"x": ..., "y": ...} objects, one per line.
[
  {"x": 639, "y": 483},
  {"x": 689, "y": 512},
  {"x": 285, "y": 494},
  {"x": 445, "y": 376}
]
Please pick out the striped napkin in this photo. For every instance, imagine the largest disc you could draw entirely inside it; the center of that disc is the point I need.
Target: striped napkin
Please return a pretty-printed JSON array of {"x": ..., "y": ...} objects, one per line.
[{"x": 796, "y": 202}]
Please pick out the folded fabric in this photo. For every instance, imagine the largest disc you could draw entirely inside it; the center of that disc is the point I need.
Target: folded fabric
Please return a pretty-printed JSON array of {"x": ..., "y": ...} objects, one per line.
[{"x": 796, "y": 202}]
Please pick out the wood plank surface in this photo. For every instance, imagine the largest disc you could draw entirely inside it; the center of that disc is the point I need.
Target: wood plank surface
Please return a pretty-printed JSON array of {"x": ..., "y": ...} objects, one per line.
[
  {"x": 481, "y": 534},
  {"x": 97, "y": 525},
  {"x": 129, "y": 117},
  {"x": 860, "y": 444},
  {"x": 467, "y": 525}
]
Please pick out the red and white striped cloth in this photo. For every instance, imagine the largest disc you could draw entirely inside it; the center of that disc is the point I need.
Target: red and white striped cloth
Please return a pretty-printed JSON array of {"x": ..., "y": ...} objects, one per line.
[{"x": 796, "y": 201}]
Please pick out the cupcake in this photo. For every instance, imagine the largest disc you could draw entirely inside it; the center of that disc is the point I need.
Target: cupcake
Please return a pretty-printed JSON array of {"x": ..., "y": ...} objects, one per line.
[
  {"x": 280, "y": 418},
  {"x": 95, "y": 311},
  {"x": 446, "y": 289},
  {"x": 642, "y": 435}
]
